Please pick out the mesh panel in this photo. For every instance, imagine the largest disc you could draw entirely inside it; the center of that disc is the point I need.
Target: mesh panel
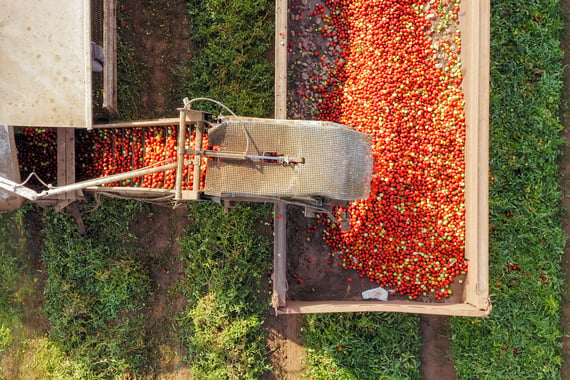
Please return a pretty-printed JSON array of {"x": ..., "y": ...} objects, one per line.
[{"x": 338, "y": 160}]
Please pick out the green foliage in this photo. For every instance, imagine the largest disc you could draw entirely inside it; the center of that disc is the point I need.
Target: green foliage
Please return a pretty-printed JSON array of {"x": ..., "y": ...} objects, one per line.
[
  {"x": 129, "y": 79},
  {"x": 521, "y": 338},
  {"x": 5, "y": 338},
  {"x": 40, "y": 358},
  {"x": 362, "y": 346},
  {"x": 231, "y": 40},
  {"x": 97, "y": 288},
  {"x": 227, "y": 260},
  {"x": 12, "y": 265}
]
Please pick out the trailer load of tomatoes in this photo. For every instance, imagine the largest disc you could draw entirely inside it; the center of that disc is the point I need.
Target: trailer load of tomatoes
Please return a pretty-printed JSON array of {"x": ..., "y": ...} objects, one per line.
[{"x": 398, "y": 78}]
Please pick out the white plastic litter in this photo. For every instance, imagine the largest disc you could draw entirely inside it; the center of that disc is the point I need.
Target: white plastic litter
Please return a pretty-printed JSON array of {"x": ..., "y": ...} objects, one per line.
[{"x": 380, "y": 294}]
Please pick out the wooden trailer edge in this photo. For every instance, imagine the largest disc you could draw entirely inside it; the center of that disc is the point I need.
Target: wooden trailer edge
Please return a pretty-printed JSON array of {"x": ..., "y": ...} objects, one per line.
[{"x": 347, "y": 306}]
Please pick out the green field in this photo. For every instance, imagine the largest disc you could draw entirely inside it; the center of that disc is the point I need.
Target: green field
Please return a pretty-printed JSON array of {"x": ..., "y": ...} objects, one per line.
[{"x": 95, "y": 289}]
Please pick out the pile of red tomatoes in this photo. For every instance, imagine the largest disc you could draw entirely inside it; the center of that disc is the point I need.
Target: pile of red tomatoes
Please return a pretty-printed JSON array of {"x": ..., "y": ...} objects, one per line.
[
  {"x": 104, "y": 152},
  {"x": 398, "y": 82},
  {"x": 37, "y": 153}
]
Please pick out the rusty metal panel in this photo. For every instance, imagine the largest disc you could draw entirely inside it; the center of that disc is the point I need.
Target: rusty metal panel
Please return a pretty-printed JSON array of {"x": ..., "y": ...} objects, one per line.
[{"x": 45, "y": 51}]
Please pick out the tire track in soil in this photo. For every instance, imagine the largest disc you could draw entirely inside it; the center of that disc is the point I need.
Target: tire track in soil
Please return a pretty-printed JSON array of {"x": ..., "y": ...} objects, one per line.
[
  {"x": 564, "y": 169},
  {"x": 159, "y": 32},
  {"x": 158, "y": 235},
  {"x": 435, "y": 353}
]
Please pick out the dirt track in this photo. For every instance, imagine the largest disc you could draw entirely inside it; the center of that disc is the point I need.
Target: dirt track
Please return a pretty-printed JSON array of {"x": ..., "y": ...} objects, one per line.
[{"x": 565, "y": 184}]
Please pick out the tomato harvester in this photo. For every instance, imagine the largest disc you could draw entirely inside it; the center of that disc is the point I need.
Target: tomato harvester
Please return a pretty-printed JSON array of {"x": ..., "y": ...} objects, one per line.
[
  {"x": 47, "y": 80},
  {"x": 313, "y": 164}
]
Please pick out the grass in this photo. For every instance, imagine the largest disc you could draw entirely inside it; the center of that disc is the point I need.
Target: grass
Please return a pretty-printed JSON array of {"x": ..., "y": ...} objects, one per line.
[
  {"x": 362, "y": 346},
  {"x": 227, "y": 260},
  {"x": 229, "y": 64},
  {"x": 521, "y": 338},
  {"x": 13, "y": 266},
  {"x": 40, "y": 358},
  {"x": 96, "y": 290},
  {"x": 24, "y": 353}
]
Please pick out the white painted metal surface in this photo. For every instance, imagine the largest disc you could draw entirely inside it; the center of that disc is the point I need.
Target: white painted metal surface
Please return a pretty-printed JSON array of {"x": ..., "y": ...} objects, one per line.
[
  {"x": 45, "y": 65},
  {"x": 8, "y": 168}
]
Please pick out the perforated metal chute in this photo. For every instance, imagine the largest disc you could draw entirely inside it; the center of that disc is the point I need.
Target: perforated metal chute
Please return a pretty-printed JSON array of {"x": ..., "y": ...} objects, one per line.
[{"x": 336, "y": 160}]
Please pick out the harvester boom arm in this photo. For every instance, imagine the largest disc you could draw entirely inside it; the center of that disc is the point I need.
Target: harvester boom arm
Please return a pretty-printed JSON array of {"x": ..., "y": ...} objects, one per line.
[{"x": 32, "y": 195}]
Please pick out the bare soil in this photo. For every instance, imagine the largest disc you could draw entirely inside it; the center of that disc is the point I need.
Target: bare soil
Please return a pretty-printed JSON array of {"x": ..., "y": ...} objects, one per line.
[
  {"x": 33, "y": 317},
  {"x": 565, "y": 185},
  {"x": 284, "y": 343},
  {"x": 159, "y": 32},
  {"x": 435, "y": 353},
  {"x": 158, "y": 236}
]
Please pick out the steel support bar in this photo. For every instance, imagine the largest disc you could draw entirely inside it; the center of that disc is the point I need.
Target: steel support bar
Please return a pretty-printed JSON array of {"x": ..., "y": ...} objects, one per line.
[
  {"x": 198, "y": 156},
  {"x": 15, "y": 188},
  {"x": 180, "y": 154},
  {"x": 242, "y": 156},
  {"x": 104, "y": 180}
]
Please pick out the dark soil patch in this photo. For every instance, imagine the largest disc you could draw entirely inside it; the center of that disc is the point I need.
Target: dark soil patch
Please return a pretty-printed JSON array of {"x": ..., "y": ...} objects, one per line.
[
  {"x": 313, "y": 272},
  {"x": 158, "y": 235},
  {"x": 32, "y": 309},
  {"x": 436, "y": 348},
  {"x": 565, "y": 184},
  {"x": 159, "y": 32},
  {"x": 310, "y": 59}
]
